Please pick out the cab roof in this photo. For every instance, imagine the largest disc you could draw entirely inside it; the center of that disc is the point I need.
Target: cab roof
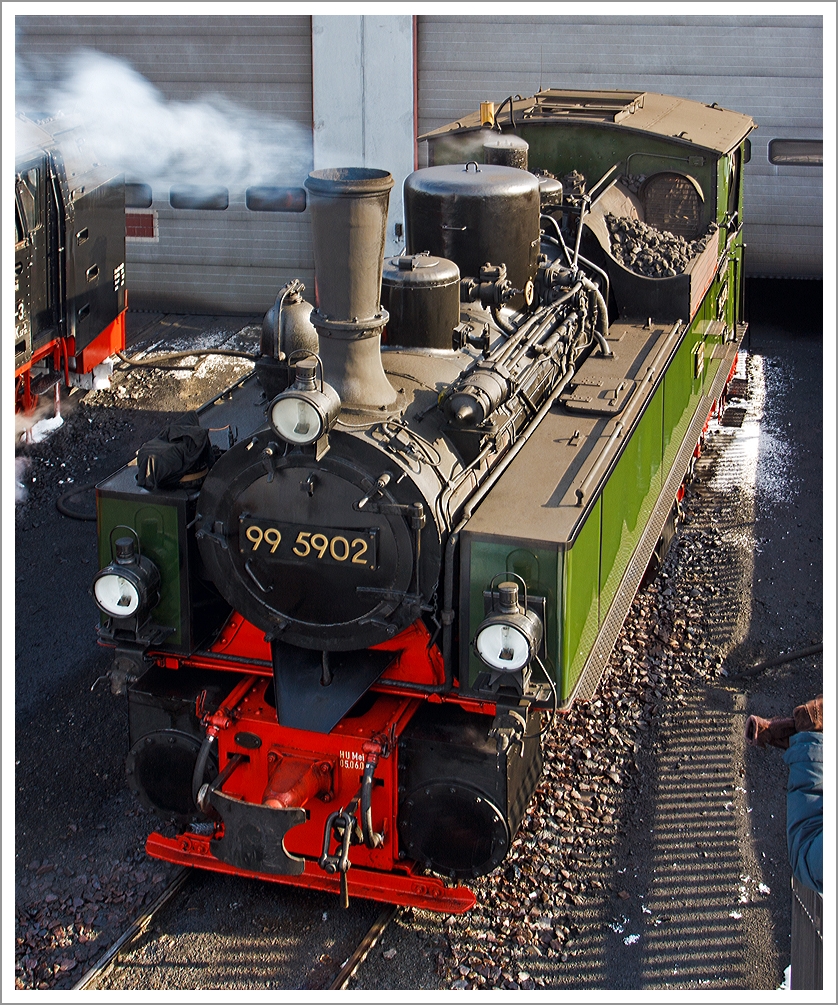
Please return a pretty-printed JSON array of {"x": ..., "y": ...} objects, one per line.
[
  {"x": 691, "y": 122},
  {"x": 30, "y": 138}
]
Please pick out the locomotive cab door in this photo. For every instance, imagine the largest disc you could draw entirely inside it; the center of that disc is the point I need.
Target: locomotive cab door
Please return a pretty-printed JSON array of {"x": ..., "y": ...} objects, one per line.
[
  {"x": 23, "y": 324},
  {"x": 33, "y": 303}
]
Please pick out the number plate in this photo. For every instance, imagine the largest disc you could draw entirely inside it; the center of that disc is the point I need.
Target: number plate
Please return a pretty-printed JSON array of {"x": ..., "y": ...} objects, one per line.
[{"x": 287, "y": 542}]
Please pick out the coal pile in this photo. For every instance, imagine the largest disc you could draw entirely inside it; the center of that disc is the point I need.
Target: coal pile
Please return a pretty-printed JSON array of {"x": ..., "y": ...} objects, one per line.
[{"x": 650, "y": 252}]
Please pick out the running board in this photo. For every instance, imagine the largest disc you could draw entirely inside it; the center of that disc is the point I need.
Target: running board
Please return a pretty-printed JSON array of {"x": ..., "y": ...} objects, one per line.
[{"x": 601, "y": 650}]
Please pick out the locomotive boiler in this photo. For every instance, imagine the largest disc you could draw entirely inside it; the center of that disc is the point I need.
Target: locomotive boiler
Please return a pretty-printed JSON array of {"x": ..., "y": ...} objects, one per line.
[{"x": 345, "y": 600}]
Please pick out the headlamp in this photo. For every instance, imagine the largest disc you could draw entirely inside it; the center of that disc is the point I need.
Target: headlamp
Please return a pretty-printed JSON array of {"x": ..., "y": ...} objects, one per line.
[
  {"x": 509, "y": 638},
  {"x": 130, "y": 586},
  {"x": 305, "y": 412}
]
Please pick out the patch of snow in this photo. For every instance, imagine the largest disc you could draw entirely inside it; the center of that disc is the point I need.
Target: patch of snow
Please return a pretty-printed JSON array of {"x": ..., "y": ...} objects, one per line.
[
  {"x": 42, "y": 428},
  {"x": 21, "y": 467}
]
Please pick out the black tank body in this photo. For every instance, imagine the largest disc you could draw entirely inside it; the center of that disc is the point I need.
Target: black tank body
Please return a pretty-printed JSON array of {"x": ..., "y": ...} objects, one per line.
[{"x": 473, "y": 214}]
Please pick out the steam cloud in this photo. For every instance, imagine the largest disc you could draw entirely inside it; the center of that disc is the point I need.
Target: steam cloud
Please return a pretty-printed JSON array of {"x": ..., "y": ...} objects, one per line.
[{"x": 135, "y": 129}]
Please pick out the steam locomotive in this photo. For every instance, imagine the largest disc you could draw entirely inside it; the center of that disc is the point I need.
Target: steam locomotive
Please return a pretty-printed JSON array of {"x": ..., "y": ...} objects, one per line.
[
  {"x": 345, "y": 600},
  {"x": 69, "y": 260}
]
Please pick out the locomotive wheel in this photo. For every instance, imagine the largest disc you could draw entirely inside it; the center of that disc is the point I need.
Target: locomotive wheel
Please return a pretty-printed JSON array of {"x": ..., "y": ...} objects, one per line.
[{"x": 159, "y": 768}]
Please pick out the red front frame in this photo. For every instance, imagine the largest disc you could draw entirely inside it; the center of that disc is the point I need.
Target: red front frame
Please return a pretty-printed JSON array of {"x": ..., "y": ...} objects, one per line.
[
  {"x": 375, "y": 873},
  {"x": 109, "y": 341}
]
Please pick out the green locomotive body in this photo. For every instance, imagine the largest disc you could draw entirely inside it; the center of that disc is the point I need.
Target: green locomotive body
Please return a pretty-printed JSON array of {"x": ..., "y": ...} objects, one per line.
[
  {"x": 436, "y": 500},
  {"x": 586, "y": 552}
]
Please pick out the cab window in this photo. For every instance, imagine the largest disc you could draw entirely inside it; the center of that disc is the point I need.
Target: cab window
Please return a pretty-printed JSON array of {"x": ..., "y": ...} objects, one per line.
[{"x": 28, "y": 194}]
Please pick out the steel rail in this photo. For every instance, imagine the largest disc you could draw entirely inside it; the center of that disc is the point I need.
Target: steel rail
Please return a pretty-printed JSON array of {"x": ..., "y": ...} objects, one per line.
[
  {"x": 134, "y": 930},
  {"x": 365, "y": 946}
]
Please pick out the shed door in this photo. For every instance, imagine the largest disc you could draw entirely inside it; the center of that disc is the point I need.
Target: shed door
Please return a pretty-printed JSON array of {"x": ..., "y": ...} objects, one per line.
[{"x": 769, "y": 67}]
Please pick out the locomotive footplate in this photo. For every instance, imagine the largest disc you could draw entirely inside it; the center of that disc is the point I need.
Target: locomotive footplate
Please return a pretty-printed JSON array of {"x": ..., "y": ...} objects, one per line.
[{"x": 254, "y": 834}]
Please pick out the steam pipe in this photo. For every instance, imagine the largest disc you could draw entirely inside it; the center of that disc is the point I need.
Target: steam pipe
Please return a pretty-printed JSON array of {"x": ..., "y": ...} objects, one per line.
[
  {"x": 601, "y": 327},
  {"x": 586, "y": 206},
  {"x": 560, "y": 241}
]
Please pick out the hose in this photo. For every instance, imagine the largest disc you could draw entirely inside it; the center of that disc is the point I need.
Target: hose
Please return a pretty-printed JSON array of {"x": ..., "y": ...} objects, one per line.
[
  {"x": 511, "y": 114},
  {"x": 797, "y": 654},
  {"x": 65, "y": 510},
  {"x": 507, "y": 329},
  {"x": 201, "y": 767},
  {"x": 154, "y": 361}
]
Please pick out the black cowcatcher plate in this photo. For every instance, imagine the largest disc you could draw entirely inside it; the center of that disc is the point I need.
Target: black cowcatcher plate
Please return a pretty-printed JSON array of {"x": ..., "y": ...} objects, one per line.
[{"x": 303, "y": 702}]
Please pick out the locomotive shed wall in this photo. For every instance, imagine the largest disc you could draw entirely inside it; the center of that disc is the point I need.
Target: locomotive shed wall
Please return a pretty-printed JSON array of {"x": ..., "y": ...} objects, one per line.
[
  {"x": 230, "y": 260},
  {"x": 769, "y": 67}
]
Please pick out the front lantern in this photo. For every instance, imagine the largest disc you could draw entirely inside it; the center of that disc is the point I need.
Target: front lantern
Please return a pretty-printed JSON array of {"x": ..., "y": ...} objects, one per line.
[
  {"x": 305, "y": 413},
  {"x": 129, "y": 587},
  {"x": 507, "y": 641}
]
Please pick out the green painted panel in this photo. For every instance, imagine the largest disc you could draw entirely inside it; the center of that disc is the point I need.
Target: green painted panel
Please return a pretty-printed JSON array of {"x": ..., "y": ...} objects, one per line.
[
  {"x": 593, "y": 150},
  {"x": 629, "y": 497},
  {"x": 157, "y": 527},
  {"x": 580, "y": 615},
  {"x": 682, "y": 389},
  {"x": 540, "y": 570},
  {"x": 723, "y": 168}
]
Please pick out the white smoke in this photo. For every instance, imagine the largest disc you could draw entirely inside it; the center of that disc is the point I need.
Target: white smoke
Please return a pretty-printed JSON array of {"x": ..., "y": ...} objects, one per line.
[
  {"x": 136, "y": 129},
  {"x": 46, "y": 417}
]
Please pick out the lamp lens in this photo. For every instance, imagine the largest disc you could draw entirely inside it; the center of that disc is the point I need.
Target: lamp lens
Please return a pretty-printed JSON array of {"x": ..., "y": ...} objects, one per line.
[
  {"x": 116, "y": 596},
  {"x": 503, "y": 647},
  {"x": 296, "y": 420}
]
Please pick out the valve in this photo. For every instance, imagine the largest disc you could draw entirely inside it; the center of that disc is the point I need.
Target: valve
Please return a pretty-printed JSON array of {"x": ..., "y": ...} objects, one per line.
[{"x": 491, "y": 287}]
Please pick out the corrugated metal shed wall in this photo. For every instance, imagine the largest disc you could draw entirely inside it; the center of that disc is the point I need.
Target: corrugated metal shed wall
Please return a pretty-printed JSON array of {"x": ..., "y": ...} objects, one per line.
[
  {"x": 230, "y": 260},
  {"x": 768, "y": 67}
]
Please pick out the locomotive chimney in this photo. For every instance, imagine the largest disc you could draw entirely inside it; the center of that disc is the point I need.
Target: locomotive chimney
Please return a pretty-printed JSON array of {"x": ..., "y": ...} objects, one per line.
[{"x": 349, "y": 220}]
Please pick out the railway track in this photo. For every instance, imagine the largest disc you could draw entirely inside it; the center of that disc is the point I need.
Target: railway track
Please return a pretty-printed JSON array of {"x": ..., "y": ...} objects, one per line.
[
  {"x": 121, "y": 947},
  {"x": 140, "y": 924}
]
